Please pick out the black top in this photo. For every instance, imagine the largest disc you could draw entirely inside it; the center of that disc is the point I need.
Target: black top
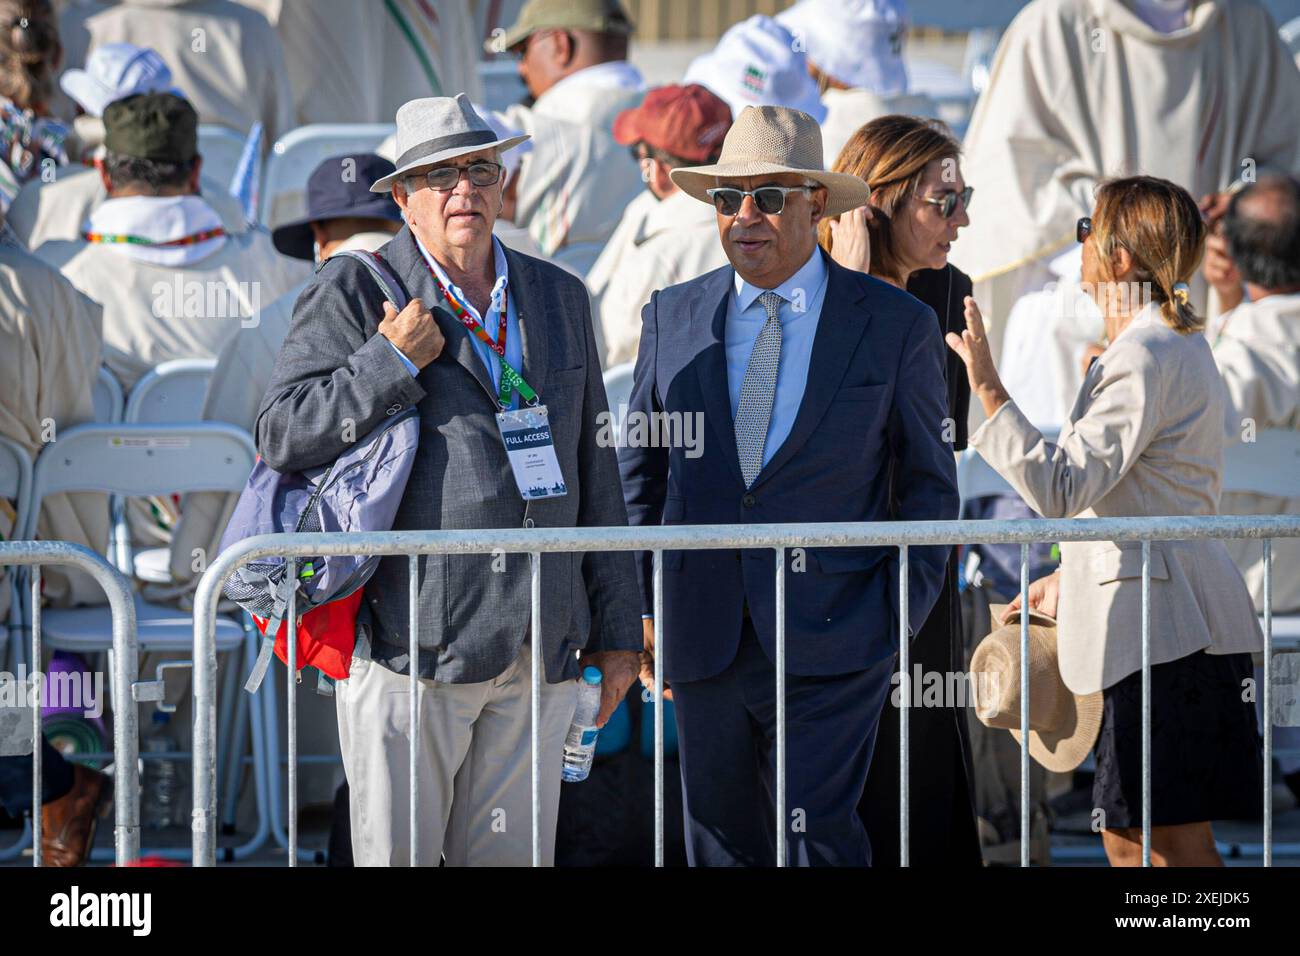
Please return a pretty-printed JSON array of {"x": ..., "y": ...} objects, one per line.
[{"x": 943, "y": 290}]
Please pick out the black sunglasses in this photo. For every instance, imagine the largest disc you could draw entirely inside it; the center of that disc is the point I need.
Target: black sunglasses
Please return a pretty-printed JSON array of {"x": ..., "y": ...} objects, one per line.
[
  {"x": 948, "y": 201},
  {"x": 1083, "y": 228},
  {"x": 770, "y": 200},
  {"x": 444, "y": 178}
]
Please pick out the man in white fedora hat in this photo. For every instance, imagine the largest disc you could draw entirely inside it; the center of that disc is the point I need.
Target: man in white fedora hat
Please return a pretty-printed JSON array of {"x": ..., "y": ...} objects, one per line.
[
  {"x": 822, "y": 397},
  {"x": 492, "y": 344}
]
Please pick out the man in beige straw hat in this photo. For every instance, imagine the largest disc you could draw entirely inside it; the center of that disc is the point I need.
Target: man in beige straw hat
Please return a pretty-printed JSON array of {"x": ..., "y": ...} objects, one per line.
[{"x": 820, "y": 392}]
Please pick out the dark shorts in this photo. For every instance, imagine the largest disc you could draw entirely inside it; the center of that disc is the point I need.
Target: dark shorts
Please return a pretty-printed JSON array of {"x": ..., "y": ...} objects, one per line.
[{"x": 1206, "y": 755}]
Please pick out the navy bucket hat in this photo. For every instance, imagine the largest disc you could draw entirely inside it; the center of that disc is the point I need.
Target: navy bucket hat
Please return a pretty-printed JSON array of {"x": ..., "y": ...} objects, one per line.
[{"x": 338, "y": 188}]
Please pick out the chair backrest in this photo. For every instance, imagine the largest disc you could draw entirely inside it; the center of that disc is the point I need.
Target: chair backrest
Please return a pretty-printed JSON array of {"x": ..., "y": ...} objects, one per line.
[
  {"x": 221, "y": 148},
  {"x": 618, "y": 388},
  {"x": 1269, "y": 465},
  {"x": 138, "y": 460},
  {"x": 107, "y": 398},
  {"x": 172, "y": 392},
  {"x": 16, "y": 482},
  {"x": 296, "y": 154}
]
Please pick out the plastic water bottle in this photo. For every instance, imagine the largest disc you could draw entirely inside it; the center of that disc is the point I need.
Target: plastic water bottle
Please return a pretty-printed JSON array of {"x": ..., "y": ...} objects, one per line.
[
  {"x": 580, "y": 744},
  {"x": 161, "y": 777}
]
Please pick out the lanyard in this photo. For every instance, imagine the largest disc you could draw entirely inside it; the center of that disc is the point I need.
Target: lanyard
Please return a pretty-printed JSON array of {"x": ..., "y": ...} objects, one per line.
[
  {"x": 114, "y": 237},
  {"x": 510, "y": 379}
]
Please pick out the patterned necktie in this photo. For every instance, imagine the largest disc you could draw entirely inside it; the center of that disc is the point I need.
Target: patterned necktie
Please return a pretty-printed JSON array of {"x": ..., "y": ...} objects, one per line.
[{"x": 758, "y": 390}]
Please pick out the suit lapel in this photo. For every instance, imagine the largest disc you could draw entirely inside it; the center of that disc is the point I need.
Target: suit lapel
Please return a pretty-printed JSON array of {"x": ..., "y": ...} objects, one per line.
[
  {"x": 839, "y": 328},
  {"x": 411, "y": 266},
  {"x": 707, "y": 326},
  {"x": 534, "y": 328}
]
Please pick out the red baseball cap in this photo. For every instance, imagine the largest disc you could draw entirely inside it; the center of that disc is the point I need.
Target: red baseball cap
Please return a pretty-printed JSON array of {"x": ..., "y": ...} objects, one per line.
[{"x": 684, "y": 121}]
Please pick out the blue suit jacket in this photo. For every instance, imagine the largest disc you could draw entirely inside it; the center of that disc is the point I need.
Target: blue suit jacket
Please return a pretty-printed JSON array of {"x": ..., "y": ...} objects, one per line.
[{"x": 867, "y": 445}]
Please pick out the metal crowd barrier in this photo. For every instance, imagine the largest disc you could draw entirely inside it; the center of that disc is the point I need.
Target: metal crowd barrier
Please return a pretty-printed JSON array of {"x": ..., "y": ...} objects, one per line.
[
  {"x": 778, "y": 537},
  {"x": 125, "y": 661}
]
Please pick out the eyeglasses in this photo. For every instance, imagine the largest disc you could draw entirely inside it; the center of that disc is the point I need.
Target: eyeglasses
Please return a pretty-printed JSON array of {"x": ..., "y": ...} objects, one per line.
[
  {"x": 770, "y": 200},
  {"x": 1083, "y": 228},
  {"x": 444, "y": 178},
  {"x": 948, "y": 201}
]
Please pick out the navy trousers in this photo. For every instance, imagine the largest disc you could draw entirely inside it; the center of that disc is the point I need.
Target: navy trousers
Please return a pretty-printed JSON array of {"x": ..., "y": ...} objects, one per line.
[
  {"x": 726, "y": 735},
  {"x": 16, "y": 780}
]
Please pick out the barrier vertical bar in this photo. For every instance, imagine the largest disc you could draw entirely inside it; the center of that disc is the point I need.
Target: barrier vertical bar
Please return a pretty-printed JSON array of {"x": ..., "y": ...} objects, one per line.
[
  {"x": 413, "y": 685},
  {"x": 781, "y": 849},
  {"x": 38, "y": 858},
  {"x": 535, "y": 635},
  {"x": 1024, "y": 706},
  {"x": 904, "y": 713},
  {"x": 658, "y": 607},
  {"x": 291, "y": 703},
  {"x": 1268, "y": 701},
  {"x": 1146, "y": 702}
]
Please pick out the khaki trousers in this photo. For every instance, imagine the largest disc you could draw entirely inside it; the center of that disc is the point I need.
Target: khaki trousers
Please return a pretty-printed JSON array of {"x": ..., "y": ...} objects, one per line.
[{"x": 473, "y": 764}]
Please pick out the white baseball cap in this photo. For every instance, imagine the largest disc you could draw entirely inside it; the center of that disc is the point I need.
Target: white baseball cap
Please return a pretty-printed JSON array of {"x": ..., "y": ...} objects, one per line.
[
  {"x": 757, "y": 63},
  {"x": 115, "y": 71},
  {"x": 858, "y": 42}
]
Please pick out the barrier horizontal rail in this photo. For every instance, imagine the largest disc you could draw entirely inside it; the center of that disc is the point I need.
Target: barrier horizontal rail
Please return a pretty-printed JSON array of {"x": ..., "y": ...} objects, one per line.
[
  {"x": 126, "y": 737},
  {"x": 657, "y": 539}
]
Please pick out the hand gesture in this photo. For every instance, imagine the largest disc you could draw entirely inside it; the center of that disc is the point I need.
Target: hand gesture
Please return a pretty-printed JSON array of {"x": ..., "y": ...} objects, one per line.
[
  {"x": 973, "y": 347},
  {"x": 851, "y": 239},
  {"x": 413, "y": 331},
  {"x": 1043, "y": 597}
]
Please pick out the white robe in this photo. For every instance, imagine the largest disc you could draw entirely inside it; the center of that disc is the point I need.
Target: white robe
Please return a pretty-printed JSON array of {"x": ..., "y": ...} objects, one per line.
[
  {"x": 1081, "y": 90},
  {"x": 50, "y": 342},
  {"x": 351, "y": 62},
  {"x": 658, "y": 243},
  {"x": 575, "y": 183},
  {"x": 224, "y": 57},
  {"x": 1258, "y": 354}
]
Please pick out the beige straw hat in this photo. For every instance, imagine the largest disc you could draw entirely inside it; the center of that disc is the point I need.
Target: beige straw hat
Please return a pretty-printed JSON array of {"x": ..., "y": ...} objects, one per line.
[
  {"x": 1062, "y": 725},
  {"x": 766, "y": 140}
]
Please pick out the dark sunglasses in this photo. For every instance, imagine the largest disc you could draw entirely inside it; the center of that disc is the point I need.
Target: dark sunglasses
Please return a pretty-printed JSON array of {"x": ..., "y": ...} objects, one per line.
[
  {"x": 770, "y": 200},
  {"x": 948, "y": 201},
  {"x": 1083, "y": 228},
  {"x": 444, "y": 178}
]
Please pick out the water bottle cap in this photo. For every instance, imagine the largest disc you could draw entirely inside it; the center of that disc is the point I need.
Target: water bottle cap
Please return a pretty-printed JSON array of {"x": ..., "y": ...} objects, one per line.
[{"x": 591, "y": 675}]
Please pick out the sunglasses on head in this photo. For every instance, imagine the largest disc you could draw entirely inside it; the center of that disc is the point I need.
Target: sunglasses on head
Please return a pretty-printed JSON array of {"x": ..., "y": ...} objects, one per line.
[
  {"x": 770, "y": 200},
  {"x": 1083, "y": 228},
  {"x": 444, "y": 178},
  {"x": 948, "y": 201}
]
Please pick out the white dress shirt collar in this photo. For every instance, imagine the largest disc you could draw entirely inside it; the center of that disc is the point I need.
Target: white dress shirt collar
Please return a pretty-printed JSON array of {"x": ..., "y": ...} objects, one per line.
[{"x": 804, "y": 283}]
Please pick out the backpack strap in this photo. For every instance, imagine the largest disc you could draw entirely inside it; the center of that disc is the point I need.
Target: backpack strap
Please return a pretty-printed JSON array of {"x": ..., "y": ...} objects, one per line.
[{"x": 381, "y": 272}]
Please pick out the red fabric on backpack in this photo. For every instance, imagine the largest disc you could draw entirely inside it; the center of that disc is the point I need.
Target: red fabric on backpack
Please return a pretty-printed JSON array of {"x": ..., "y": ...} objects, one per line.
[{"x": 326, "y": 636}]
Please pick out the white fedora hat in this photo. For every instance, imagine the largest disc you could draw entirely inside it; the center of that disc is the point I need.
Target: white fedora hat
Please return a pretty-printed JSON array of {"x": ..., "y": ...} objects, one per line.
[
  {"x": 769, "y": 140},
  {"x": 438, "y": 128},
  {"x": 1063, "y": 725}
]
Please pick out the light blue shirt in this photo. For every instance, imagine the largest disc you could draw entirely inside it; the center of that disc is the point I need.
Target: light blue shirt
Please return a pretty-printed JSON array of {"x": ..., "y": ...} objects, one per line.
[
  {"x": 804, "y": 292},
  {"x": 514, "y": 342}
]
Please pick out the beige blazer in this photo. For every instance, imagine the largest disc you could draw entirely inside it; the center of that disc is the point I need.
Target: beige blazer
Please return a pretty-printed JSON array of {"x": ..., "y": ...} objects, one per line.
[
  {"x": 1258, "y": 354},
  {"x": 1145, "y": 438}
]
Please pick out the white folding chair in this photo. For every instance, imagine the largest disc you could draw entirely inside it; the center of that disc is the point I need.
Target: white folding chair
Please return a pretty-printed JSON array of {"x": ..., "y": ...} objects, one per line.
[
  {"x": 137, "y": 460},
  {"x": 221, "y": 148},
  {"x": 170, "y": 394},
  {"x": 296, "y": 155},
  {"x": 107, "y": 397},
  {"x": 16, "y": 488},
  {"x": 618, "y": 390},
  {"x": 1269, "y": 465}
]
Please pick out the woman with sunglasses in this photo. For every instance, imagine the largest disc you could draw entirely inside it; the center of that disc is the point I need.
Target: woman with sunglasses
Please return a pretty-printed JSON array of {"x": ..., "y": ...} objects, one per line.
[
  {"x": 918, "y": 202},
  {"x": 1145, "y": 438}
]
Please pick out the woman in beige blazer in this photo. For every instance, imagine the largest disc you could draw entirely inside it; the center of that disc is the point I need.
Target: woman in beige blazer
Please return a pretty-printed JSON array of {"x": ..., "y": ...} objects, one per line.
[{"x": 1145, "y": 438}]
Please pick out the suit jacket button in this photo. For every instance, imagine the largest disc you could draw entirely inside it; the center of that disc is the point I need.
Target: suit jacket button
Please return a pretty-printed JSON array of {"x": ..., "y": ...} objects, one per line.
[{"x": 747, "y": 501}]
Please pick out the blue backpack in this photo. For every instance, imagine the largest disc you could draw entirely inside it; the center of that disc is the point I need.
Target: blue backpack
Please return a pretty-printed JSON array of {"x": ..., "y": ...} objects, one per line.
[{"x": 360, "y": 491}]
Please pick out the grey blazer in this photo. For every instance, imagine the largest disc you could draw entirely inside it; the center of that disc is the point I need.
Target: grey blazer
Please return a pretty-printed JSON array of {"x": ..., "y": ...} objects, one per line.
[
  {"x": 336, "y": 378},
  {"x": 1145, "y": 438}
]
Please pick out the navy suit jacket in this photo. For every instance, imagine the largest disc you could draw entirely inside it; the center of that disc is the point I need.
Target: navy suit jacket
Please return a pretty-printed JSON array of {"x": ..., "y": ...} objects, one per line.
[{"x": 867, "y": 445}]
